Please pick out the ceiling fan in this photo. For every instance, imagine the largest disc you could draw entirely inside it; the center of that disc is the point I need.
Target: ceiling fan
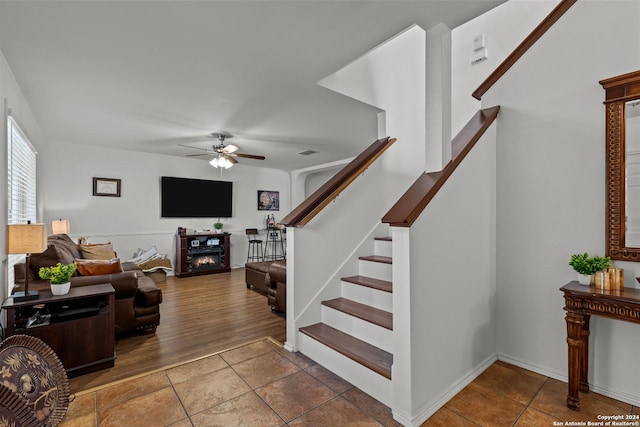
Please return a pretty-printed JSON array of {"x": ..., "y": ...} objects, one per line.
[{"x": 223, "y": 154}]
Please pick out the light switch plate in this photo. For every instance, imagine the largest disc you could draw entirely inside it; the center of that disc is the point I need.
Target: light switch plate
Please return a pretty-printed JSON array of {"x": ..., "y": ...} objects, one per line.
[
  {"x": 478, "y": 56},
  {"x": 478, "y": 42}
]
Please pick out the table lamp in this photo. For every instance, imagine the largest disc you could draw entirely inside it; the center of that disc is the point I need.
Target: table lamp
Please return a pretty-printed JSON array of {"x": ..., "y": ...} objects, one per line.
[
  {"x": 26, "y": 239},
  {"x": 60, "y": 226}
]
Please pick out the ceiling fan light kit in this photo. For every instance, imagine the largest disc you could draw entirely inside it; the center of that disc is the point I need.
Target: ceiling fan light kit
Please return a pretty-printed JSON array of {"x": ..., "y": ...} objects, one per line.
[
  {"x": 220, "y": 162},
  {"x": 224, "y": 154}
]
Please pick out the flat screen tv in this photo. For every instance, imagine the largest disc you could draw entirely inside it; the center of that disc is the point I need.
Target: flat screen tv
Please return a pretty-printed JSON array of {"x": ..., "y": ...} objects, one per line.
[{"x": 195, "y": 198}]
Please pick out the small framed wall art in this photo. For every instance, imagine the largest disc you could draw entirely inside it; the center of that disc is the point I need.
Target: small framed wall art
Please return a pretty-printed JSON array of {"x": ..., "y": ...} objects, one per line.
[
  {"x": 268, "y": 200},
  {"x": 106, "y": 187}
]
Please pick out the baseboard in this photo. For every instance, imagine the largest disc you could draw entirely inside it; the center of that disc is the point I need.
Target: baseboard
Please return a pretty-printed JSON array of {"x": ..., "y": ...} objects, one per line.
[
  {"x": 533, "y": 368},
  {"x": 562, "y": 376},
  {"x": 439, "y": 401}
]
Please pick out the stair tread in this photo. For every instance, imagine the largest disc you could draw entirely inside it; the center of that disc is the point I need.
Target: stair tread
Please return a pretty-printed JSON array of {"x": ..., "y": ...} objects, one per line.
[
  {"x": 384, "y": 238},
  {"x": 362, "y": 311},
  {"x": 377, "y": 258},
  {"x": 370, "y": 282},
  {"x": 364, "y": 353}
]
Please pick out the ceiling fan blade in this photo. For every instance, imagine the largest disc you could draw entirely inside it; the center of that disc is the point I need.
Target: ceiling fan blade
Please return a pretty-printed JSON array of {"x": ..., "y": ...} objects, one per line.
[
  {"x": 231, "y": 159},
  {"x": 195, "y": 148},
  {"x": 230, "y": 149},
  {"x": 197, "y": 155},
  {"x": 249, "y": 156}
]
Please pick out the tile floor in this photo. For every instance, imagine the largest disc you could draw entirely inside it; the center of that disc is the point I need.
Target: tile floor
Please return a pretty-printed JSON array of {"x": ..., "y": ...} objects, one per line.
[{"x": 261, "y": 384}]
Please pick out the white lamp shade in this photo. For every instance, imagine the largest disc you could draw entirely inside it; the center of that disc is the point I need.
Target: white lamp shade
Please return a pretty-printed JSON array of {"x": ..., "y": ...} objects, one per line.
[
  {"x": 221, "y": 162},
  {"x": 26, "y": 238},
  {"x": 60, "y": 226}
]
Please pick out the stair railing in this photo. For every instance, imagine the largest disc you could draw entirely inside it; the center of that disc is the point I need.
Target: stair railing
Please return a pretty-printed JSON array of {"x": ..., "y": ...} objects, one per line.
[
  {"x": 522, "y": 48},
  {"x": 313, "y": 204},
  {"x": 409, "y": 207}
]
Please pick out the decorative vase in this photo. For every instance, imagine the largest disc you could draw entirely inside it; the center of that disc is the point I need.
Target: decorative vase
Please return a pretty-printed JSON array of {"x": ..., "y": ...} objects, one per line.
[
  {"x": 61, "y": 289},
  {"x": 584, "y": 279}
]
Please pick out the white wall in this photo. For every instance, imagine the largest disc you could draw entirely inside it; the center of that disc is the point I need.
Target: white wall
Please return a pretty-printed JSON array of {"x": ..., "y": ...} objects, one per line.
[
  {"x": 504, "y": 28},
  {"x": 12, "y": 98},
  {"x": 314, "y": 181},
  {"x": 551, "y": 191},
  {"x": 133, "y": 220}
]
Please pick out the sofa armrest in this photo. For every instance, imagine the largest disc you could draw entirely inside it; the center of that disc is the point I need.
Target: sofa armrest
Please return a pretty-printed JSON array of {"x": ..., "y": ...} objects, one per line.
[
  {"x": 277, "y": 296},
  {"x": 125, "y": 283},
  {"x": 149, "y": 294},
  {"x": 276, "y": 283},
  {"x": 281, "y": 294},
  {"x": 278, "y": 271}
]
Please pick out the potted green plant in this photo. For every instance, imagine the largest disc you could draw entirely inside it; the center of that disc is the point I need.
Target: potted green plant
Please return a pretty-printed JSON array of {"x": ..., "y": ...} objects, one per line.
[
  {"x": 59, "y": 277},
  {"x": 218, "y": 226},
  {"x": 586, "y": 266}
]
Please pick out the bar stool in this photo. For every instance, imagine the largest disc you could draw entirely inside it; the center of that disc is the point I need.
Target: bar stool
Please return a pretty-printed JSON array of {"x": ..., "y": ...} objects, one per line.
[
  {"x": 254, "y": 252},
  {"x": 274, "y": 246},
  {"x": 283, "y": 235}
]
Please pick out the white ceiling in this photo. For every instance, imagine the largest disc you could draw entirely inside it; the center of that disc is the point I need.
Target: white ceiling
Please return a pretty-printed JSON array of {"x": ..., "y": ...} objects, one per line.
[{"x": 150, "y": 75}]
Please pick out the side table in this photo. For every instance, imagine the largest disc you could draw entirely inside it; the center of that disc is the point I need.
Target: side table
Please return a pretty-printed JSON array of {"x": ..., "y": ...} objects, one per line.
[
  {"x": 581, "y": 302},
  {"x": 79, "y": 326}
]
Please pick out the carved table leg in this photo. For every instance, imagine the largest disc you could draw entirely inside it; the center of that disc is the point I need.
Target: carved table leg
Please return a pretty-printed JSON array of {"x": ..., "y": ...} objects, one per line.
[
  {"x": 584, "y": 356},
  {"x": 575, "y": 327}
]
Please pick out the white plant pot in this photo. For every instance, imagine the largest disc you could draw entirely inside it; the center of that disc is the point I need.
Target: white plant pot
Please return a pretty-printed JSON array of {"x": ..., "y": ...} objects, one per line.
[
  {"x": 584, "y": 279},
  {"x": 61, "y": 289}
]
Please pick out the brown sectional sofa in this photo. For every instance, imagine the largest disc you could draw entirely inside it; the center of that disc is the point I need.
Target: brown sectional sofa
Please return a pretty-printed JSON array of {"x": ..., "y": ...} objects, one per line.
[
  {"x": 269, "y": 278},
  {"x": 254, "y": 275},
  {"x": 137, "y": 297},
  {"x": 276, "y": 283}
]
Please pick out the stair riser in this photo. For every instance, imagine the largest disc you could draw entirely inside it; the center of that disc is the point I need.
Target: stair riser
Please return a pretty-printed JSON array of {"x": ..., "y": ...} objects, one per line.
[
  {"x": 360, "y": 376},
  {"x": 377, "y": 270},
  {"x": 358, "y": 328},
  {"x": 369, "y": 296},
  {"x": 382, "y": 248}
]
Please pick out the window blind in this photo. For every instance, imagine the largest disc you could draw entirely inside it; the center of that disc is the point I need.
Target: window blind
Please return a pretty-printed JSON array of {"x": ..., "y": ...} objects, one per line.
[{"x": 21, "y": 182}]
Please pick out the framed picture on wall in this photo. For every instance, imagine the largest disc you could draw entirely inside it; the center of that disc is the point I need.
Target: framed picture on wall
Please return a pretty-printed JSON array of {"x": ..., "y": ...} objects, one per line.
[
  {"x": 106, "y": 187},
  {"x": 268, "y": 200}
]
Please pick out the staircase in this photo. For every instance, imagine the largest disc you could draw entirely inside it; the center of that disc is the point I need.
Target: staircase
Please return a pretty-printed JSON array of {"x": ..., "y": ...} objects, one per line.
[{"x": 355, "y": 336}]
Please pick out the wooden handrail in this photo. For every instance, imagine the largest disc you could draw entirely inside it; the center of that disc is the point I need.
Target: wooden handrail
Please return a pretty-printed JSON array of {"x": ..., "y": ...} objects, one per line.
[
  {"x": 409, "y": 207},
  {"x": 332, "y": 188},
  {"x": 538, "y": 32}
]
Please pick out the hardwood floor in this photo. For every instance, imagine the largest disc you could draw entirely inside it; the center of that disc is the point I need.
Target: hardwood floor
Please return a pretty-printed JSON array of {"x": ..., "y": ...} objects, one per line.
[{"x": 198, "y": 316}]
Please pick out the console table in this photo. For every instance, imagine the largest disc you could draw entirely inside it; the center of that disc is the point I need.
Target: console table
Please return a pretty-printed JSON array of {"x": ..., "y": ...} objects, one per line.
[
  {"x": 581, "y": 302},
  {"x": 80, "y": 326}
]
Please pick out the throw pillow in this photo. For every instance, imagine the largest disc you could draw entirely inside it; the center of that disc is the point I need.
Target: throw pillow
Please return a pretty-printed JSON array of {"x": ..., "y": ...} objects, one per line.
[
  {"x": 95, "y": 267},
  {"x": 97, "y": 251}
]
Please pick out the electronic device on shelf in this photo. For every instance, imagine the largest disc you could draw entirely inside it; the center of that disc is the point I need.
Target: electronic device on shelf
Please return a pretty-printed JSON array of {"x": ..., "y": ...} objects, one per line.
[{"x": 38, "y": 320}]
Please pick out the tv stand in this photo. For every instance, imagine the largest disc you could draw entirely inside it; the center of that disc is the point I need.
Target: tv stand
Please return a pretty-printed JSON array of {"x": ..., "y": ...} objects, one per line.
[{"x": 198, "y": 254}]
